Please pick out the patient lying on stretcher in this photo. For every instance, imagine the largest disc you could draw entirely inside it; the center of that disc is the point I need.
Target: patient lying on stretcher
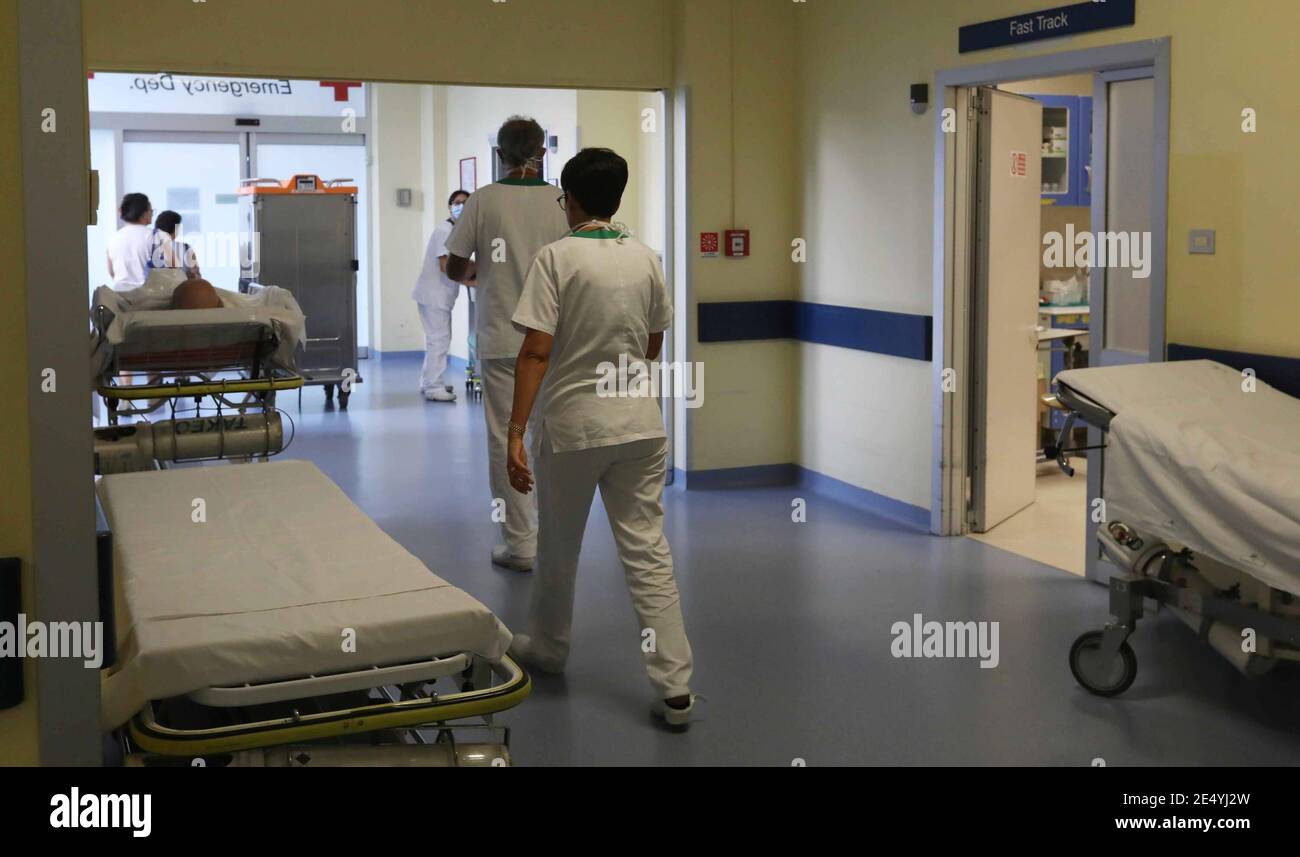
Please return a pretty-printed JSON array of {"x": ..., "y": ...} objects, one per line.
[{"x": 196, "y": 294}]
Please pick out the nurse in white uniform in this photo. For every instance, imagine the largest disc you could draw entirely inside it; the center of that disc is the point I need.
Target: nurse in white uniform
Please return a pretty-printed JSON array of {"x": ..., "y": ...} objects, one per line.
[
  {"x": 503, "y": 226},
  {"x": 592, "y": 302},
  {"x": 137, "y": 247},
  {"x": 435, "y": 293}
]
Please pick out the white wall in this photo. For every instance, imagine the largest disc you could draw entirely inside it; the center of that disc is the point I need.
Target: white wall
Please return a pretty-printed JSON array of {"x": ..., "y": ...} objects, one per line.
[{"x": 399, "y": 149}]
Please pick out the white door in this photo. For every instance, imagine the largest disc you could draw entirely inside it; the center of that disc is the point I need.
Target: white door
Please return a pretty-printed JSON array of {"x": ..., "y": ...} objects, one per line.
[
  {"x": 1008, "y": 245},
  {"x": 195, "y": 175},
  {"x": 1126, "y": 299}
]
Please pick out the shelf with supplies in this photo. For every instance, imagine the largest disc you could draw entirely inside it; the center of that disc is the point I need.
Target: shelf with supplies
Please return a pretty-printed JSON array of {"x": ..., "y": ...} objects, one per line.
[{"x": 1066, "y": 149}]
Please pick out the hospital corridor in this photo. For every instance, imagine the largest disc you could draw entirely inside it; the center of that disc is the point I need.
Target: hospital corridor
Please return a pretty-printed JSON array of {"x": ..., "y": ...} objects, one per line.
[{"x": 662, "y": 384}]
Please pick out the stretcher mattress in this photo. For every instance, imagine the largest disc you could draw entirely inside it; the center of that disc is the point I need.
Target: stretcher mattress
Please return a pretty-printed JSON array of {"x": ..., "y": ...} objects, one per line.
[
  {"x": 142, "y": 314},
  {"x": 277, "y": 580},
  {"x": 1196, "y": 459}
]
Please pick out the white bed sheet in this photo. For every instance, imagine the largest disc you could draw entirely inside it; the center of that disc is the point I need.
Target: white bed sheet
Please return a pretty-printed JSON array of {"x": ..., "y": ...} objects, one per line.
[
  {"x": 266, "y": 588},
  {"x": 1195, "y": 459},
  {"x": 149, "y": 306}
]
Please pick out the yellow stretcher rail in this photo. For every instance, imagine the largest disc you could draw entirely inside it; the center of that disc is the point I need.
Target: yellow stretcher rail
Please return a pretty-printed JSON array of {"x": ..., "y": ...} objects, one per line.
[
  {"x": 204, "y": 388},
  {"x": 152, "y": 737}
]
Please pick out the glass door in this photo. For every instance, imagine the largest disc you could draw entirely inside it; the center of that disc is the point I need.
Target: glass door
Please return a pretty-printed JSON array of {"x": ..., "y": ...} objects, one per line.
[
  {"x": 330, "y": 156},
  {"x": 196, "y": 175}
]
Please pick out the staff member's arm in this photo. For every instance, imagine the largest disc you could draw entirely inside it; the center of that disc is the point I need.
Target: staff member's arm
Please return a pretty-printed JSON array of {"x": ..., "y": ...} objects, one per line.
[
  {"x": 465, "y": 268},
  {"x": 538, "y": 313},
  {"x": 530, "y": 367},
  {"x": 461, "y": 244}
]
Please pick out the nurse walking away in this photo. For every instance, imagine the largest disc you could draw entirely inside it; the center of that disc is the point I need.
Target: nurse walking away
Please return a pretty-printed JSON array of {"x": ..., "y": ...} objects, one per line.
[
  {"x": 137, "y": 247},
  {"x": 595, "y": 299},
  {"x": 502, "y": 227},
  {"x": 435, "y": 293}
]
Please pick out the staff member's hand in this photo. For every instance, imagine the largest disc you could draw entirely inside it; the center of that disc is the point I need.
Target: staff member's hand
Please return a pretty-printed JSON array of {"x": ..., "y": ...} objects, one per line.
[{"x": 521, "y": 478}]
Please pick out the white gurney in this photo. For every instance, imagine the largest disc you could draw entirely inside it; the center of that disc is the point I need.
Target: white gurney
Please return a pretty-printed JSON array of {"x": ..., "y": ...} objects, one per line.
[
  {"x": 215, "y": 371},
  {"x": 286, "y": 592},
  {"x": 1201, "y": 482},
  {"x": 138, "y": 330}
]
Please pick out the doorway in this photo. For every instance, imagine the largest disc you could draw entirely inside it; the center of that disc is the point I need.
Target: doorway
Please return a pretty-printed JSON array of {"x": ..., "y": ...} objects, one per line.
[{"x": 1020, "y": 162}]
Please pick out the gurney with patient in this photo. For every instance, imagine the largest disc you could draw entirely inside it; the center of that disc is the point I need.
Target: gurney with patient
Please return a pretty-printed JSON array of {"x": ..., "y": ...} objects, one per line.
[
  {"x": 259, "y": 617},
  {"x": 1201, "y": 489}
]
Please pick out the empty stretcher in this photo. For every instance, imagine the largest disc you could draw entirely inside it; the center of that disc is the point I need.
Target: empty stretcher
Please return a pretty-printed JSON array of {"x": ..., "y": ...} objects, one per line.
[
  {"x": 1201, "y": 483},
  {"x": 256, "y": 606}
]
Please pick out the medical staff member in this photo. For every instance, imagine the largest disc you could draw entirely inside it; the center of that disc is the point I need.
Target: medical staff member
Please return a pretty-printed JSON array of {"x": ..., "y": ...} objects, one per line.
[
  {"x": 435, "y": 293},
  {"x": 168, "y": 225},
  {"x": 593, "y": 301},
  {"x": 133, "y": 248},
  {"x": 502, "y": 227}
]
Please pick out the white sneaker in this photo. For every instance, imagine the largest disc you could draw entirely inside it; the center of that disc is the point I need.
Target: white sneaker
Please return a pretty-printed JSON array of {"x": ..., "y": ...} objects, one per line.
[
  {"x": 440, "y": 394},
  {"x": 679, "y": 718},
  {"x": 501, "y": 556},
  {"x": 521, "y": 649}
]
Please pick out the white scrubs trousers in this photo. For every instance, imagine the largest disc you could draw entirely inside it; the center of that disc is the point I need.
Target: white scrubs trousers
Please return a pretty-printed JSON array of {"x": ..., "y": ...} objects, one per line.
[
  {"x": 437, "y": 340},
  {"x": 631, "y": 481},
  {"x": 519, "y": 529}
]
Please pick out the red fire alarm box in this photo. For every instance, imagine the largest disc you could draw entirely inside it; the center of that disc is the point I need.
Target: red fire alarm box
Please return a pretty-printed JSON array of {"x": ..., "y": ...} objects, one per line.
[
  {"x": 737, "y": 242},
  {"x": 708, "y": 243}
]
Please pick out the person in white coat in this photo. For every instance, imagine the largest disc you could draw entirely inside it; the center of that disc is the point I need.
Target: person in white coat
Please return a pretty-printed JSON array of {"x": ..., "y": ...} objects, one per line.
[
  {"x": 503, "y": 226},
  {"x": 435, "y": 294},
  {"x": 593, "y": 301},
  {"x": 137, "y": 247}
]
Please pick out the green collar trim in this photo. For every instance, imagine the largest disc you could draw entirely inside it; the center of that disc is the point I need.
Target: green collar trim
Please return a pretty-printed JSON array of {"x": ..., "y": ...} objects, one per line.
[
  {"x": 530, "y": 182},
  {"x": 597, "y": 233}
]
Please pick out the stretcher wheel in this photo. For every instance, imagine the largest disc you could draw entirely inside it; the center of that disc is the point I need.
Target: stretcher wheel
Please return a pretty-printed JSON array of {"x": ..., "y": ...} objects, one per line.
[{"x": 1103, "y": 678}]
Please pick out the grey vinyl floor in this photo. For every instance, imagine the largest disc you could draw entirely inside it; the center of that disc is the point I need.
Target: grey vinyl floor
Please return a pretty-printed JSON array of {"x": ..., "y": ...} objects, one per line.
[{"x": 791, "y": 624}]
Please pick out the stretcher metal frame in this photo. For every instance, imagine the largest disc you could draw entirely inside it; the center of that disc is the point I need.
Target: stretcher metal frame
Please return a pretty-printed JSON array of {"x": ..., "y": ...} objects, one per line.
[
  {"x": 194, "y": 372},
  {"x": 1102, "y": 661},
  {"x": 409, "y": 708}
]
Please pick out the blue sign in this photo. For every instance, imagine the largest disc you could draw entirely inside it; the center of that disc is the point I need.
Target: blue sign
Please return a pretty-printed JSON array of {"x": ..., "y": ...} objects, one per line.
[{"x": 1048, "y": 24}]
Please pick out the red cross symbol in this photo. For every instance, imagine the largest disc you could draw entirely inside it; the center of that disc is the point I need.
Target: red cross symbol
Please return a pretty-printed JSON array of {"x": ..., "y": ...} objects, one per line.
[{"x": 341, "y": 88}]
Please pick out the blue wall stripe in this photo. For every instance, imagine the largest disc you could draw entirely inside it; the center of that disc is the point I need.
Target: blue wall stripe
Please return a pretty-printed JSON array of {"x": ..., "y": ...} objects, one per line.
[
  {"x": 734, "y": 321},
  {"x": 880, "y": 332}
]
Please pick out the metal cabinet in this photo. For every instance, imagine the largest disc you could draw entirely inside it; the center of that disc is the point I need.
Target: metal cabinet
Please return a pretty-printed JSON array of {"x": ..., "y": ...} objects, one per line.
[{"x": 300, "y": 235}]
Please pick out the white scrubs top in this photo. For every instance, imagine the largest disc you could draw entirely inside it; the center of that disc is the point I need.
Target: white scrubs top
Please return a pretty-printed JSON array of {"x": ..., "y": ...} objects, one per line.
[
  {"x": 601, "y": 298},
  {"x": 129, "y": 250},
  {"x": 525, "y": 215},
  {"x": 433, "y": 287}
]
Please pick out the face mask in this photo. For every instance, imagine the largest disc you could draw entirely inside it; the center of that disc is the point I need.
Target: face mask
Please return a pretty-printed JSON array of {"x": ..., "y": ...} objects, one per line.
[{"x": 456, "y": 210}]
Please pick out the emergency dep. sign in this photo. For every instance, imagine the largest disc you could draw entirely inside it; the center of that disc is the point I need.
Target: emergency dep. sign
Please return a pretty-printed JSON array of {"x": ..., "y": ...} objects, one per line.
[
  {"x": 225, "y": 96},
  {"x": 1047, "y": 24}
]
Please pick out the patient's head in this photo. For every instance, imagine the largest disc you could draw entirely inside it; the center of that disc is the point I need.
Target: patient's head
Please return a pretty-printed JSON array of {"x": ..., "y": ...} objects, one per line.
[{"x": 196, "y": 294}]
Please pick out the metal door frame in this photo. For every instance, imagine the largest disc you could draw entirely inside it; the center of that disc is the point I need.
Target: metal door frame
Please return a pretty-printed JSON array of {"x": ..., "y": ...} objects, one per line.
[{"x": 952, "y": 318}]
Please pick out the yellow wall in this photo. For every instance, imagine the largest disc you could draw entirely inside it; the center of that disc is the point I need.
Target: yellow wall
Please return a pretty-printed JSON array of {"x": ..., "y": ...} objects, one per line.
[
  {"x": 1066, "y": 84},
  {"x": 867, "y": 185},
  {"x": 749, "y": 412},
  {"x": 1225, "y": 57},
  {"x": 18, "y": 737},
  {"x": 566, "y": 43}
]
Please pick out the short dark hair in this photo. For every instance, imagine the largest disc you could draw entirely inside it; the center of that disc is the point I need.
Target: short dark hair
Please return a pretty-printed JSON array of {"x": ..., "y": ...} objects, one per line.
[
  {"x": 451, "y": 199},
  {"x": 596, "y": 178},
  {"x": 167, "y": 222},
  {"x": 133, "y": 207}
]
